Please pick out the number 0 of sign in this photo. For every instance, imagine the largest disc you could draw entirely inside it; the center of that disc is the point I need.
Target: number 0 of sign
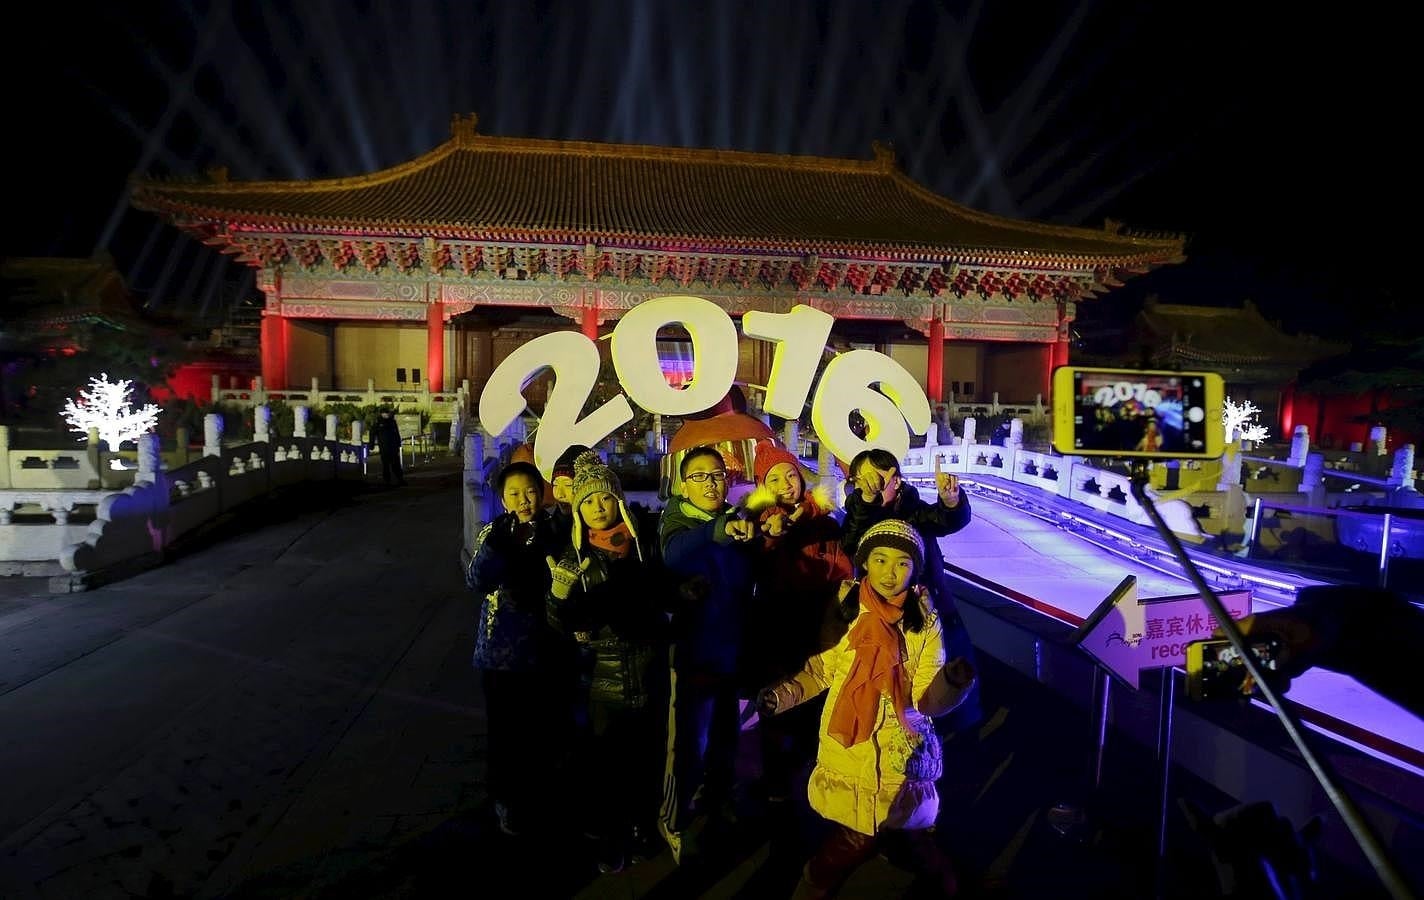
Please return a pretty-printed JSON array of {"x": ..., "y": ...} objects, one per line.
[{"x": 849, "y": 382}]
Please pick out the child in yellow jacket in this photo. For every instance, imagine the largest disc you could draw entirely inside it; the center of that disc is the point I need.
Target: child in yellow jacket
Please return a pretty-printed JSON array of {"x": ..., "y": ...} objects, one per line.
[{"x": 878, "y": 757}]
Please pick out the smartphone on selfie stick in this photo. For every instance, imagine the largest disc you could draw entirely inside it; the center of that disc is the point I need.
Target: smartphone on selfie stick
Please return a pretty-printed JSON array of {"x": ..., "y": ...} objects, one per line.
[{"x": 1149, "y": 415}]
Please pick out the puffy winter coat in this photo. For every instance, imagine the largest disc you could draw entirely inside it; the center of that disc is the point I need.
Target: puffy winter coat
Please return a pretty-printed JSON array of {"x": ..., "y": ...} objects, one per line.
[
  {"x": 615, "y": 610},
  {"x": 864, "y": 786},
  {"x": 933, "y": 520},
  {"x": 715, "y": 577},
  {"x": 510, "y": 578},
  {"x": 797, "y": 576}
]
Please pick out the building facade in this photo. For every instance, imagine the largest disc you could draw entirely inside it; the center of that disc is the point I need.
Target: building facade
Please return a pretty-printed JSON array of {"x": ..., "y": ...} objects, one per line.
[{"x": 512, "y": 237}]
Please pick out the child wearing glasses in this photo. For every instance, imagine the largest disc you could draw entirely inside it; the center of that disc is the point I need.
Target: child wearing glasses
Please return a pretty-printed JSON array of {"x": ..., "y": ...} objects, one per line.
[
  {"x": 879, "y": 757},
  {"x": 706, "y": 545}
]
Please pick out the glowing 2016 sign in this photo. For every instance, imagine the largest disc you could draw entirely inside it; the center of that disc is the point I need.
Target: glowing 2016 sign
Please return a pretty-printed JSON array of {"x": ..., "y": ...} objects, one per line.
[
  {"x": 1122, "y": 391},
  {"x": 848, "y": 383}
]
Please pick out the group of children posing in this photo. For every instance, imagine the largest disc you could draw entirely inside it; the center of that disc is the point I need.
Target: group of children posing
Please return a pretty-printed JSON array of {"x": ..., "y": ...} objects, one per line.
[{"x": 580, "y": 602}]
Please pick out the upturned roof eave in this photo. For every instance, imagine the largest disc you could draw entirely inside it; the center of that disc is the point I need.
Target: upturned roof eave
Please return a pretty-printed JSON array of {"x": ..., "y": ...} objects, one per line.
[{"x": 1152, "y": 253}]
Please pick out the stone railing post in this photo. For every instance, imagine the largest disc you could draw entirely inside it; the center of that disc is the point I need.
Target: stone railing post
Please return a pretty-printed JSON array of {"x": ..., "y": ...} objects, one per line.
[
  {"x": 1015, "y": 433},
  {"x": 212, "y": 434},
  {"x": 299, "y": 420},
  {"x": 1401, "y": 474},
  {"x": 791, "y": 436},
  {"x": 94, "y": 450},
  {"x": 259, "y": 390},
  {"x": 1312, "y": 479},
  {"x": 474, "y": 454},
  {"x": 150, "y": 460},
  {"x": 262, "y": 423},
  {"x": 1300, "y": 446},
  {"x": 1230, "y": 466},
  {"x": 1376, "y": 445},
  {"x": 332, "y": 423},
  {"x": 316, "y": 387},
  {"x": 5, "y": 479},
  {"x": 970, "y": 427},
  {"x": 356, "y": 427},
  {"x": 217, "y": 389}
]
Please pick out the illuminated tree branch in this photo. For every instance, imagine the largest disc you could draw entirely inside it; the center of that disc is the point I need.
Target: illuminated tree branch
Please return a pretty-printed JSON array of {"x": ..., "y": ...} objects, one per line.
[{"x": 107, "y": 406}]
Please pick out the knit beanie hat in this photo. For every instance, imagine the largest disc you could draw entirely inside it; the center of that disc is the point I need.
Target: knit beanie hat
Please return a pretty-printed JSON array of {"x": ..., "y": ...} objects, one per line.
[
  {"x": 564, "y": 467},
  {"x": 895, "y": 533},
  {"x": 768, "y": 455},
  {"x": 592, "y": 476}
]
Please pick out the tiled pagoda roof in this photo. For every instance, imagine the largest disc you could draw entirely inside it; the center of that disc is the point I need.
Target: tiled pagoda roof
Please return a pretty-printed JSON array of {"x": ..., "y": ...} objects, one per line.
[
  {"x": 1212, "y": 335},
  {"x": 480, "y": 187}
]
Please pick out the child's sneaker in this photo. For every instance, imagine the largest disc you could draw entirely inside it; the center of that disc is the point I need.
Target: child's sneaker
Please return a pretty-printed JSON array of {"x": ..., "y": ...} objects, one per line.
[
  {"x": 505, "y": 819},
  {"x": 645, "y": 844},
  {"x": 611, "y": 858}
]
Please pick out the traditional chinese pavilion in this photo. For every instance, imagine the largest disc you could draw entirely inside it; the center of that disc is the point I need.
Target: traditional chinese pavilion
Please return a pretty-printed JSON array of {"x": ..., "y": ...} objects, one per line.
[
  {"x": 1258, "y": 360},
  {"x": 363, "y": 275}
]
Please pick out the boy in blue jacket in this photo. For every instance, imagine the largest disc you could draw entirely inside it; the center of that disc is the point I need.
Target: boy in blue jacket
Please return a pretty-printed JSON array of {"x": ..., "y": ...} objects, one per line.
[{"x": 707, "y": 545}]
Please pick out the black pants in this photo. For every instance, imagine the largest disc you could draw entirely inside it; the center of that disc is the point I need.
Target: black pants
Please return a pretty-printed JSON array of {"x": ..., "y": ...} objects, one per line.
[
  {"x": 845, "y": 849},
  {"x": 391, "y": 465},
  {"x": 623, "y": 776},
  {"x": 704, "y": 725},
  {"x": 521, "y": 755}
]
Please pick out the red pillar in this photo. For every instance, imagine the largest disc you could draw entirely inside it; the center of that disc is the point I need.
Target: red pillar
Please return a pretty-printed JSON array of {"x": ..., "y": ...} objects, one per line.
[
  {"x": 1060, "y": 351},
  {"x": 1057, "y": 355},
  {"x": 934, "y": 374},
  {"x": 274, "y": 351},
  {"x": 435, "y": 346},
  {"x": 590, "y": 322}
]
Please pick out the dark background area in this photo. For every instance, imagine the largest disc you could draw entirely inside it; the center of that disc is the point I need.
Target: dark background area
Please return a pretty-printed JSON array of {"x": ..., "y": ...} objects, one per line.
[{"x": 1271, "y": 137}]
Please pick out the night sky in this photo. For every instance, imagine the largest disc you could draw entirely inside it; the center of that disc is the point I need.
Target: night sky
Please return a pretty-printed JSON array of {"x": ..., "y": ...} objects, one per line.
[{"x": 1272, "y": 141}]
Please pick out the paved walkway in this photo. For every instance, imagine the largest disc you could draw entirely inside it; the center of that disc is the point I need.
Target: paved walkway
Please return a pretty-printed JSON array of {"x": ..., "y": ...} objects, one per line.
[{"x": 289, "y": 711}]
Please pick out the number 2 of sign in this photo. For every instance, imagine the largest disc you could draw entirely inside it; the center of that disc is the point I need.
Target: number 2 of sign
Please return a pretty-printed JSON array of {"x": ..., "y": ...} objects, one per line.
[{"x": 848, "y": 383}]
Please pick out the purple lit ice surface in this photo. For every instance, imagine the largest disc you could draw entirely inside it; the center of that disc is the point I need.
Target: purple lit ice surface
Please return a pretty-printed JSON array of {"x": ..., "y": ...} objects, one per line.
[{"x": 1033, "y": 557}]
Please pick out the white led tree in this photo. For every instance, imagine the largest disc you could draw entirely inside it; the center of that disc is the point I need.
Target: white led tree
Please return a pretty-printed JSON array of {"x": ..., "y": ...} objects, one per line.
[
  {"x": 108, "y": 406},
  {"x": 1239, "y": 421}
]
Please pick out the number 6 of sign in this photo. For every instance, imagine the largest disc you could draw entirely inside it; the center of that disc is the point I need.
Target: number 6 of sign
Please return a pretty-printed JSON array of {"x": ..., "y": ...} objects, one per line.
[{"x": 898, "y": 407}]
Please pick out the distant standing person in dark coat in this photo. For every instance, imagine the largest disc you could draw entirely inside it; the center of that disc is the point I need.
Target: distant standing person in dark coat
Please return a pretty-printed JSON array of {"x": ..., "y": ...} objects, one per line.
[{"x": 385, "y": 436}]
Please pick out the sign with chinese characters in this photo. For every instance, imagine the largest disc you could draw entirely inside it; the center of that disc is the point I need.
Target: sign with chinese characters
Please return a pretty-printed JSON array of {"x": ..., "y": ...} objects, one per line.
[
  {"x": 1127, "y": 635},
  {"x": 888, "y": 397}
]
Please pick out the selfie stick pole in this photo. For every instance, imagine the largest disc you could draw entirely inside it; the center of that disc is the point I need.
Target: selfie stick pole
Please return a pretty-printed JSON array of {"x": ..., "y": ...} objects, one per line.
[{"x": 1391, "y": 879}]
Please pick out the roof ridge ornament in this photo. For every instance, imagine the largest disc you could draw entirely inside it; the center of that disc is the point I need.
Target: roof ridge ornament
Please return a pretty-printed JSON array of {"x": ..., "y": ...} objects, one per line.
[
  {"x": 884, "y": 154},
  {"x": 464, "y": 128}
]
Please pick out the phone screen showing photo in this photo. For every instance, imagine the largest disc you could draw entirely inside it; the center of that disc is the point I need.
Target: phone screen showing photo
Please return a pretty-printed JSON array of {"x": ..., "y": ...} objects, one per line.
[{"x": 1136, "y": 412}]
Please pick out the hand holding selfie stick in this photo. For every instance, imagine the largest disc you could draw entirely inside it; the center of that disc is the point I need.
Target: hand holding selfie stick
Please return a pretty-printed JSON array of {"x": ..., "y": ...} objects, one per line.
[{"x": 1391, "y": 879}]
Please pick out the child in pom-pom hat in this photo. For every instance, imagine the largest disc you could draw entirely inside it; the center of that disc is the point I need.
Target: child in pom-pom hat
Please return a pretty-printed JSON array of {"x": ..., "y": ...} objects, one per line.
[
  {"x": 606, "y": 591},
  {"x": 879, "y": 757}
]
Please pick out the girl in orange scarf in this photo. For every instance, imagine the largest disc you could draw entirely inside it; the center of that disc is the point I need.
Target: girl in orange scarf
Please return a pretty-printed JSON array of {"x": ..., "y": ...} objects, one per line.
[{"x": 879, "y": 757}]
